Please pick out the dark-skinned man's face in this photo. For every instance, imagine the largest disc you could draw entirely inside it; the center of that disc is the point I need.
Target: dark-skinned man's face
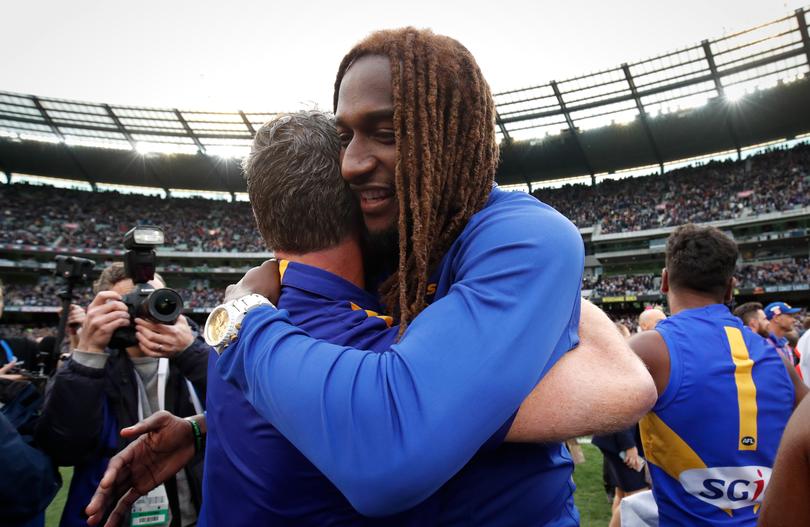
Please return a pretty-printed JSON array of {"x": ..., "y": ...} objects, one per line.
[{"x": 368, "y": 154}]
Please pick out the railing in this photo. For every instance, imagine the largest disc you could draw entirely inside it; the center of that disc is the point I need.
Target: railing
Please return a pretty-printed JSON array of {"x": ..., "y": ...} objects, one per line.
[{"x": 757, "y": 58}]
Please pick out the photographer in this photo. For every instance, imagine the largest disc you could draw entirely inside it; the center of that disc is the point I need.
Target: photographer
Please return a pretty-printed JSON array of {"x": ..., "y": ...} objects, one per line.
[{"x": 112, "y": 382}]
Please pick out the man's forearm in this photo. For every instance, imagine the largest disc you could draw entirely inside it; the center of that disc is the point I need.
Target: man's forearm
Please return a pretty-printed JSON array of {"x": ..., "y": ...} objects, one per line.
[{"x": 598, "y": 387}]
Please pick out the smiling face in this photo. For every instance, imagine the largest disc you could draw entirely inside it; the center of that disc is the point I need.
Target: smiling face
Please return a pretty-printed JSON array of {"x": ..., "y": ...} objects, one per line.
[{"x": 368, "y": 153}]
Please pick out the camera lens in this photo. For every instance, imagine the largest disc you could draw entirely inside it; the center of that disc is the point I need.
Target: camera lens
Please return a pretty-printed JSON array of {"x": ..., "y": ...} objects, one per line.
[{"x": 164, "y": 306}]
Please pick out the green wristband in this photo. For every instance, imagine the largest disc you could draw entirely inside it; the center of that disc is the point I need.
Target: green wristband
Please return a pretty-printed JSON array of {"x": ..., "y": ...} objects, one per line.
[{"x": 198, "y": 439}]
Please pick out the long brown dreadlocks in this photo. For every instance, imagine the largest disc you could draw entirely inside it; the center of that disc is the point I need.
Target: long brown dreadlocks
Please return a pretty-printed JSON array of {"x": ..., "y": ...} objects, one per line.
[{"x": 444, "y": 124}]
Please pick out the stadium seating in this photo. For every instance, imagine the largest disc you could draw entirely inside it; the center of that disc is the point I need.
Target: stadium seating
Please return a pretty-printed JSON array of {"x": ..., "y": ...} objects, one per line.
[{"x": 778, "y": 180}]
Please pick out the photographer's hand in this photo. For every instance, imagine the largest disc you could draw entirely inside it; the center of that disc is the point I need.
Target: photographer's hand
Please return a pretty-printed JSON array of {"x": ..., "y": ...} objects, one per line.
[
  {"x": 165, "y": 445},
  {"x": 6, "y": 368},
  {"x": 160, "y": 340},
  {"x": 76, "y": 316},
  {"x": 264, "y": 280},
  {"x": 104, "y": 315}
]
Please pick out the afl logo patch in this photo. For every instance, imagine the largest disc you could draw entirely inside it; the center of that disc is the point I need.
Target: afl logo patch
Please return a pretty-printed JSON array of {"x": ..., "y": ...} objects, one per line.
[{"x": 748, "y": 441}]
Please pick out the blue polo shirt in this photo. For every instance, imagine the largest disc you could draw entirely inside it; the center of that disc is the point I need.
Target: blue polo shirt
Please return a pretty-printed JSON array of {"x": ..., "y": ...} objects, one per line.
[{"x": 390, "y": 429}]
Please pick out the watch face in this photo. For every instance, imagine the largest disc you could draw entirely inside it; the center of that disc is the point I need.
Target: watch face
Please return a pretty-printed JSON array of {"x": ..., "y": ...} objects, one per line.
[{"x": 216, "y": 326}]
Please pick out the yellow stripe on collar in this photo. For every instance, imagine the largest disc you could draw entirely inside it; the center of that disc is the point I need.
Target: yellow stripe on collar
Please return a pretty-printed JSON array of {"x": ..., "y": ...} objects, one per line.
[
  {"x": 282, "y": 268},
  {"x": 389, "y": 321}
]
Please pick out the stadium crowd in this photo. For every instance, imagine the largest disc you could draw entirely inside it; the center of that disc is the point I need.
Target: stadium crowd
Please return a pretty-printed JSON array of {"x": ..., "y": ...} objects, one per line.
[
  {"x": 791, "y": 271},
  {"x": 44, "y": 294},
  {"x": 776, "y": 180},
  {"x": 36, "y": 215},
  {"x": 199, "y": 295}
]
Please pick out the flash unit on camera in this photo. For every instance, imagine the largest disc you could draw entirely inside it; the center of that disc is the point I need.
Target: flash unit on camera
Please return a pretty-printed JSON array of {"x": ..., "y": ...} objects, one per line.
[{"x": 145, "y": 235}]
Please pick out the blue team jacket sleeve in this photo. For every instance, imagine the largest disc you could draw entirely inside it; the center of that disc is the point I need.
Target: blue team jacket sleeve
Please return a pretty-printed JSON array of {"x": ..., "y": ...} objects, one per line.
[{"x": 388, "y": 429}]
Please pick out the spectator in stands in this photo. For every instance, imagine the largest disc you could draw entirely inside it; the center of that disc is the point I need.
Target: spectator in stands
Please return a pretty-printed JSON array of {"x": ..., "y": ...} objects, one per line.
[
  {"x": 650, "y": 317},
  {"x": 753, "y": 316},
  {"x": 100, "y": 390},
  {"x": 781, "y": 321},
  {"x": 699, "y": 430}
]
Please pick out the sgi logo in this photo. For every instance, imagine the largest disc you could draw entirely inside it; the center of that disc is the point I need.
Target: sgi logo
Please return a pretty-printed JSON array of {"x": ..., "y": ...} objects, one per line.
[{"x": 727, "y": 487}]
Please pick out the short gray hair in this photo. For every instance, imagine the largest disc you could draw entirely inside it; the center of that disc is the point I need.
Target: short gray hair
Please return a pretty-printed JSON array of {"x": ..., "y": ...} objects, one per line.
[{"x": 299, "y": 198}]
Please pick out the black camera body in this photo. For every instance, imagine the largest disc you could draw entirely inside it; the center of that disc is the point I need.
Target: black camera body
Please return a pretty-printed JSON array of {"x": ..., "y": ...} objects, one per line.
[
  {"x": 160, "y": 305},
  {"x": 74, "y": 269}
]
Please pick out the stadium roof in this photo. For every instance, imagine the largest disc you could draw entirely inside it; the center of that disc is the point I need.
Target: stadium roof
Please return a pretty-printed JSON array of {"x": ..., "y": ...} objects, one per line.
[{"x": 725, "y": 94}]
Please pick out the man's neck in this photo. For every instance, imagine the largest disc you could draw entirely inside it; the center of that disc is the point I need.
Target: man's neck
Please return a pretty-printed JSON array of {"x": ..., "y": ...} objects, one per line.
[
  {"x": 684, "y": 299},
  {"x": 344, "y": 260},
  {"x": 776, "y": 331},
  {"x": 135, "y": 351}
]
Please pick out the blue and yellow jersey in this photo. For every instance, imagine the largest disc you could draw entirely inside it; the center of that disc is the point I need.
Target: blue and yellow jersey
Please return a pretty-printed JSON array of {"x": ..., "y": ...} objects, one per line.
[{"x": 712, "y": 437}]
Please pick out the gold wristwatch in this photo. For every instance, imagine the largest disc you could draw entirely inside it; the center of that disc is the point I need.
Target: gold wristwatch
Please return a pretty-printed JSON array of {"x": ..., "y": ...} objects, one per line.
[{"x": 224, "y": 322}]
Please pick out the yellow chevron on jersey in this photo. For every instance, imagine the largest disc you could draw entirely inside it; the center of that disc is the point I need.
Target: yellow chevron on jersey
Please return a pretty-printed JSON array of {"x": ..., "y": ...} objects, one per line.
[{"x": 664, "y": 447}]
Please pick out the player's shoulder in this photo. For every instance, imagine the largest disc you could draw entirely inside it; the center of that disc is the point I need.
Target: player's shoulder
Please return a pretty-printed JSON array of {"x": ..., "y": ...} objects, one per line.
[{"x": 518, "y": 216}]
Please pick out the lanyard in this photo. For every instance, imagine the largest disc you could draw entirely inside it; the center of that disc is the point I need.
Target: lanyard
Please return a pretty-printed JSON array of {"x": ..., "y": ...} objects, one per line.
[{"x": 163, "y": 374}]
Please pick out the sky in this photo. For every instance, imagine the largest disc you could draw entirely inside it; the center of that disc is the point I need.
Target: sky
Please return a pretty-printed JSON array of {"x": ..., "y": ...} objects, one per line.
[{"x": 283, "y": 56}]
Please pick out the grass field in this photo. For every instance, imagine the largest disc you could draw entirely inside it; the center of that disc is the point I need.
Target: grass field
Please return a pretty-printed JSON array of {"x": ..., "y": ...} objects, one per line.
[{"x": 590, "y": 496}]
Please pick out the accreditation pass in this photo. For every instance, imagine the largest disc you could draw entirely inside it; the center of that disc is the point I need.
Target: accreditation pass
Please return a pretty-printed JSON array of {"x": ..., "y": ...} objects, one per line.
[{"x": 152, "y": 509}]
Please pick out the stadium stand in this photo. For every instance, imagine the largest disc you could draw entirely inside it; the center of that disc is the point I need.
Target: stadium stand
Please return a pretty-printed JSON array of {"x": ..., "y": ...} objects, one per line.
[
  {"x": 35, "y": 215},
  {"x": 774, "y": 181}
]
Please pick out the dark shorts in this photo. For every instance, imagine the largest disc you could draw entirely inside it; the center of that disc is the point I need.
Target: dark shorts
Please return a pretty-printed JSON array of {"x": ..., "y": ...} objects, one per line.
[{"x": 622, "y": 476}]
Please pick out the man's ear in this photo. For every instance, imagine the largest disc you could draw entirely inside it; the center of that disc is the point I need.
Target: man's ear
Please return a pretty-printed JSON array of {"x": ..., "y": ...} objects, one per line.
[
  {"x": 664, "y": 281},
  {"x": 732, "y": 284}
]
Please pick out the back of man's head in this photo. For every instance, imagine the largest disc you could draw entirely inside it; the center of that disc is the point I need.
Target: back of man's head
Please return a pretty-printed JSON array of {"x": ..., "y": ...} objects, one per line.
[
  {"x": 701, "y": 259},
  {"x": 649, "y": 318},
  {"x": 299, "y": 199},
  {"x": 747, "y": 312}
]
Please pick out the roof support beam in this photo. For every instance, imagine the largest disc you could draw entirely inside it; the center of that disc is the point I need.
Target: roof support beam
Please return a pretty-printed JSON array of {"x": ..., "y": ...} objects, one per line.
[
  {"x": 134, "y": 145},
  {"x": 660, "y": 89},
  {"x": 248, "y": 123},
  {"x": 718, "y": 84},
  {"x": 642, "y": 114},
  {"x": 504, "y": 131},
  {"x": 800, "y": 18},
  {"x": 189, "y": 131},
  {"x": 58, "y": 133},
  {"x": 571, "y": 127}
]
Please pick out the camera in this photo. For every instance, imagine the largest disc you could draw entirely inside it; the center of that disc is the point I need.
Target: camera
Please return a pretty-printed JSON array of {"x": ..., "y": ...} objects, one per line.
[
  {"x": 74, "y": 269},
  {"x": 75, "y": 272},
  {"x": 162, "y": 305}
]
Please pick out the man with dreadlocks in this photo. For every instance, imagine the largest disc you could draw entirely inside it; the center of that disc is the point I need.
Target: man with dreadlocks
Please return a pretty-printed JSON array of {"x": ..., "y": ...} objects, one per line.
[
  {"x": 500, "y": 271},
  {"x": 416, "y": 122}
]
